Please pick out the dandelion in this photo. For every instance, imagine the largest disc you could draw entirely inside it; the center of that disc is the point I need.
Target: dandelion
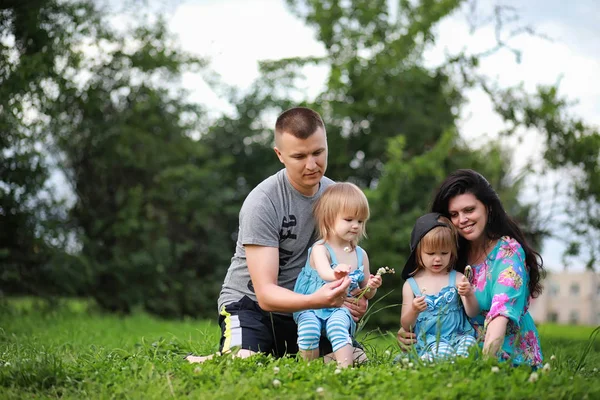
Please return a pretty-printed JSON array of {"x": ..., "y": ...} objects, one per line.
[
  {"x": 495, "y": 370},
  {"x": 385, "y": 270},
  {"x": 320, "y": 390},
  {"x": 546, "y": 367},
  {"x": 468, "y": 272},
  {"x": 533, "y": 377},
  {"x": 275, "y": 370},
  {"x": 380, "y": 271},
  {"x": 276, "y": 382},
  {"x": 553, "y": 357},
  {"x": 337, "y": 371}
]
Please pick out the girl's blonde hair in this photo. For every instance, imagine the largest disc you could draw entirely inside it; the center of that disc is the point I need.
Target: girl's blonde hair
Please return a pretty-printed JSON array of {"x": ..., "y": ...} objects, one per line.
[
  {"x": 439, "y": 238},
  {"x": 340, "y": 198}
]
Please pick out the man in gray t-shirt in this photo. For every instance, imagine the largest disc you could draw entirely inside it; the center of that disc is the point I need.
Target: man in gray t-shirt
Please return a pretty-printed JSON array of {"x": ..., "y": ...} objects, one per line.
[{"x": 276, "y": 229}]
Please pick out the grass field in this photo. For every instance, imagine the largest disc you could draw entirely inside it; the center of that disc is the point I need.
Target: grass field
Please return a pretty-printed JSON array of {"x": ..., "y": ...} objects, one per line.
[{"x": 72, "y": 352}]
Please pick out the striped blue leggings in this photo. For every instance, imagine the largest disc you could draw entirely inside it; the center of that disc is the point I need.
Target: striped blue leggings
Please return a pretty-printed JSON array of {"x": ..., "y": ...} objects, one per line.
[
  {"x": 337, "y": 328},
  {"x": 443, "y": 350}
]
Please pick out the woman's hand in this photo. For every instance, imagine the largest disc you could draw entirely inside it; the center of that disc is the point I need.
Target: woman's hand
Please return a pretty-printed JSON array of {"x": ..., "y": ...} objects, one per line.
[{"x": 406, "y": 339}]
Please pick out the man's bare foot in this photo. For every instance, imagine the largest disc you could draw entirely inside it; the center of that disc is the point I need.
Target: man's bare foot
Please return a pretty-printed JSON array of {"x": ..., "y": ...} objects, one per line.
[{"x": 198, "y": 359}]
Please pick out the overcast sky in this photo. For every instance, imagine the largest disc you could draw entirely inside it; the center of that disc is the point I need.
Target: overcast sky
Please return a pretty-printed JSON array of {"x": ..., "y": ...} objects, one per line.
[{"x": 236, "y": 34}]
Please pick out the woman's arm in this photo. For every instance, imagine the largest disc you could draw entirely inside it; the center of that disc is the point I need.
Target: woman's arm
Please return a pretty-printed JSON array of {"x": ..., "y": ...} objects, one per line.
[{"x": 494, "y": 335}]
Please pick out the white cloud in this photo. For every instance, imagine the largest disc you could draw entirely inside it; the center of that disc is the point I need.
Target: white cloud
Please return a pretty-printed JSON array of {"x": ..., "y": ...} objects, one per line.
[{"x": 235, "y": 35}]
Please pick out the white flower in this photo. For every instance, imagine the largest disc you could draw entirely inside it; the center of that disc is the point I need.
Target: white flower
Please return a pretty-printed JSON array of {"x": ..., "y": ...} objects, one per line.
[
  {"x": 553, "y": 357},
  {"x": 495, "y": 369},
  {"x": 320, "y": 390},
  {"x": 385, "y": 270},
  {"x": 276, "y": 382},
  {"x": 546, "y": 367},
  {"x": 410, "y": 365},
  {"x": 405, "y": 361},
  {"x": 533, "y": 377},
  {"x": 595, "y": 369},
  {"x": 275, "y": 370},
  {"x": 259, "y": 364},
  {"x": 337, "y": 371},
  {"x": 387, "y": 353}
]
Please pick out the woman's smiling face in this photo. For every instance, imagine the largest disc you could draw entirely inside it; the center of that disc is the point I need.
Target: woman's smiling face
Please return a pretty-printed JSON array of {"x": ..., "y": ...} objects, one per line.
[{"x": 469, "y": 216}]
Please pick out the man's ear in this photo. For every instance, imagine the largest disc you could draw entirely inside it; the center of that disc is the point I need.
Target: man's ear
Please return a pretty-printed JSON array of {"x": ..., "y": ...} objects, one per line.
[{"x": 279, "y": 155}]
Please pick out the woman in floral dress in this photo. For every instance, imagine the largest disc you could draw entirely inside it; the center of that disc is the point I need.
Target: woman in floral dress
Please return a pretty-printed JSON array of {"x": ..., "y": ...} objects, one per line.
[{"x": 506, "y": 270}]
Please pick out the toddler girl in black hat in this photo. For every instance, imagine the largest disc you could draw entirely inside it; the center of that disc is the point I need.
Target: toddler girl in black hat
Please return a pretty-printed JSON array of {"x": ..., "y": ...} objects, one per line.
[{"x": 434, "y": 294}]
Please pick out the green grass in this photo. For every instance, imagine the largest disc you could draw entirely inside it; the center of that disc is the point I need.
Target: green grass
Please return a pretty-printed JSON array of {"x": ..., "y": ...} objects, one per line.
[{"x": 71, "y": 351}]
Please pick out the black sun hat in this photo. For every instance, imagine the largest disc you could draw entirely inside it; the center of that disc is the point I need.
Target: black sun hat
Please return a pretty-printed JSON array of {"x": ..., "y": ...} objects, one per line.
[{"x": 423, "y": 225}]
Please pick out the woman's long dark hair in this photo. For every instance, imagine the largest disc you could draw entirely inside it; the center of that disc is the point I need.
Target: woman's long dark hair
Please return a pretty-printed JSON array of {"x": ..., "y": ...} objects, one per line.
[{"x": 499, "y": 223}]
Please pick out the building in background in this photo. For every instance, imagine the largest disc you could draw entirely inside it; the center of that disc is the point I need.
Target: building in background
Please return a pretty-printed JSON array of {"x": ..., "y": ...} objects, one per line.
[{"x": 571, "y": 298}]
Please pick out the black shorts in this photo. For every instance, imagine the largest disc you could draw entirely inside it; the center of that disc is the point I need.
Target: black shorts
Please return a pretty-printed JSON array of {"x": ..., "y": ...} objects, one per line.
[{"x": 244, "y": 325}]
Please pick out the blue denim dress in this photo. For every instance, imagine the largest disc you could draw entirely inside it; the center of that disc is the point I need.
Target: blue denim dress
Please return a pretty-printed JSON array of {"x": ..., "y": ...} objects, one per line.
[
  {"x": 444, "y": 316},
  {"x": 309, "y": 280}
]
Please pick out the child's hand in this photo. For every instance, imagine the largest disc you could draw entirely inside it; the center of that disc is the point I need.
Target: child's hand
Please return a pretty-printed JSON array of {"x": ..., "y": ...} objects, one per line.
[
  {"x": 419, "y": 304},
  {"x": 341, "y": 270},
  {"x": 374, "y": 281},
  {"x": 464, "y": 287}
]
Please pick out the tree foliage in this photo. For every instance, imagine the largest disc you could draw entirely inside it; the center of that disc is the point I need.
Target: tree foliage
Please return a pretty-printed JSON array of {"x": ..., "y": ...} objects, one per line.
[{"x": 157, "y": 185}]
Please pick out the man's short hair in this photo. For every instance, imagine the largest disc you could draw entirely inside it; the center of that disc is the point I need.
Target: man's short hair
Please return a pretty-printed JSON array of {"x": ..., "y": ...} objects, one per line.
[{"x": 301, "y": 122}]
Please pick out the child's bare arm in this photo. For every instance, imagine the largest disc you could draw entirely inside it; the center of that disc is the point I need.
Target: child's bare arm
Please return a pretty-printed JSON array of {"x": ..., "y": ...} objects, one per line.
[
  {"x": 467, "y": 295},
  {"x": 319, "y": 259},
  {"x": 411, "y": 307},
  {"x": 370, "y": 281}
]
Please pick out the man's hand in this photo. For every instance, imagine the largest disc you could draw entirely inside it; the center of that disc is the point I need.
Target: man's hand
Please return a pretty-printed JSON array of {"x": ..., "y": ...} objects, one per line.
[
  {"x": 357, "y": 308},
  {"x": 341, "y": 270},
  {"x": 419, "y": 305},
  {"x": 464, "y": 287},
  {"x": 406, "y": 339},
  {"x": 332, "y": 294}
]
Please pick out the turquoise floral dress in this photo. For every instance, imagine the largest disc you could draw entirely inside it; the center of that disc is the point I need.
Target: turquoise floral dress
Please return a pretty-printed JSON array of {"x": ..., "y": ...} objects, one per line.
[{"x": 501, "y": 288}]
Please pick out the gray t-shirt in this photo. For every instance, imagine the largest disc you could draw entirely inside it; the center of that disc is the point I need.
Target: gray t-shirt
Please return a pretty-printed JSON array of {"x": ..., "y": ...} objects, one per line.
[{"x": 273, "y": 215}]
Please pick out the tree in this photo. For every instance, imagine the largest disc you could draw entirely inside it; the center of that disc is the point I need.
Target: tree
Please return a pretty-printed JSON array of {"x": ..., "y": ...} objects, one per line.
[
  {"x": 32, "y": 220},
  {"x": 572, "y": 148},
  {"x": 391, "y": 121}
]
